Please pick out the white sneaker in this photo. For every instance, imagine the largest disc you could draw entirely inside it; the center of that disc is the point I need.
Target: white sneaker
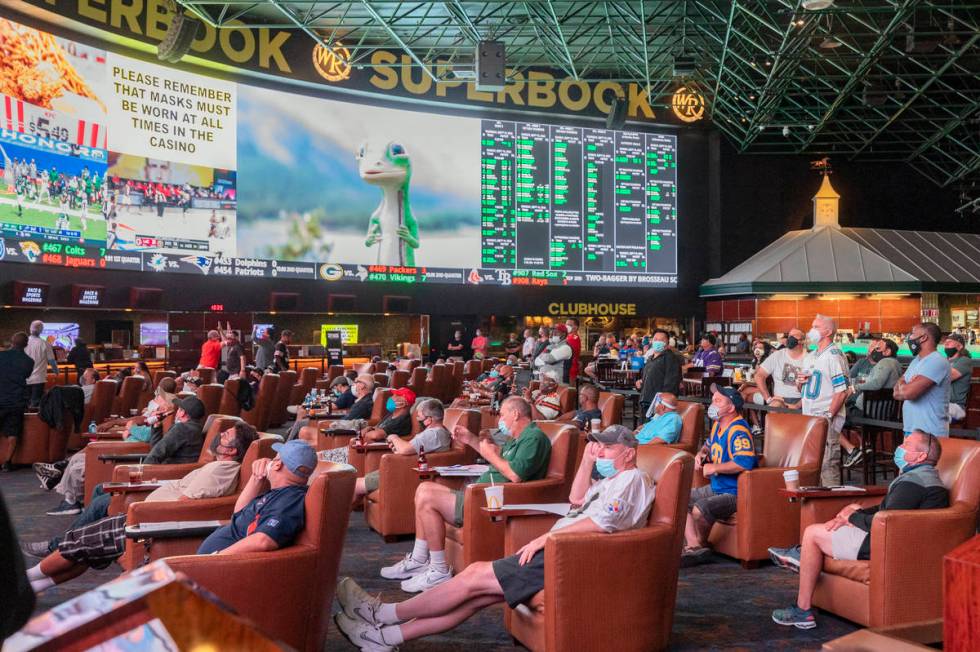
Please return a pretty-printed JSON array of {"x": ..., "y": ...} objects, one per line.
[
  {"x": 404, "y": 569},
  {"x": 425, "y": 581},
  {"x": 365, "y": 637},
  {"x": 356, "y": 602}
]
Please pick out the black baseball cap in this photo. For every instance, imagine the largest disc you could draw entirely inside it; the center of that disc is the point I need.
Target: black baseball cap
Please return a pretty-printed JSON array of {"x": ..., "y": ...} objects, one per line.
[{"x": 730, "y": 393}]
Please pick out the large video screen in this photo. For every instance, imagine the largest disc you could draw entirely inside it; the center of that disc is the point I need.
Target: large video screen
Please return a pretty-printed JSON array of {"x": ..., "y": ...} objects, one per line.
[{"x": 114, "y": 162}]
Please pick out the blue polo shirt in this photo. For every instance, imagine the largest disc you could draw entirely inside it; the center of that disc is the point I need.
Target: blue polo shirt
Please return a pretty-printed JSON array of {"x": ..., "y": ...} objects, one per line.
[
  {"x": 733, "y": 444},
  {"x": 279, "y": 514},
  {"x": 666, "y": 427}
]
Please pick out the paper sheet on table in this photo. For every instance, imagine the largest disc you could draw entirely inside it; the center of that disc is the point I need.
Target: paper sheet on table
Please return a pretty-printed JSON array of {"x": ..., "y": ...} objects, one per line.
[
  {"x": 847, "y": 487},
  {"x": 175, "y": 525},
  {"x": 560, "y": 509},
  {"x": 462, "y": 470}
]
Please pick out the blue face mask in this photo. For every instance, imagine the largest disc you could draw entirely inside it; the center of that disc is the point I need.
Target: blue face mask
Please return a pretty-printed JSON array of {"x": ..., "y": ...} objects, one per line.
[
  {"x": 390, "y": 405},
  {"x": 494, "y": 373},
  {"x": 502, "y": 427},
  {"x": 606, "y": 467},
  {"x": 658, "y": 346},
  {"x": 900, "y": 459}
]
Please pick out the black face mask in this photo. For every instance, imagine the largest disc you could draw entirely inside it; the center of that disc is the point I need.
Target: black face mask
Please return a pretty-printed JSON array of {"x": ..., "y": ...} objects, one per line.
[
  {"x": 792, "y": 342},
  {"x": 876, "y": 356},
  {"x": 950, "y": 351},
  {"x": 914, "y": 345},
  {"x": 422, "y": 422}
]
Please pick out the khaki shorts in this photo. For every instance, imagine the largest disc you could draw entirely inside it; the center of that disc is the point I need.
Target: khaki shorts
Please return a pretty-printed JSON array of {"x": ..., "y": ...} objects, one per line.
[
  {"x": 846, "y": 541},
  {"x": 372, "y": 481}
]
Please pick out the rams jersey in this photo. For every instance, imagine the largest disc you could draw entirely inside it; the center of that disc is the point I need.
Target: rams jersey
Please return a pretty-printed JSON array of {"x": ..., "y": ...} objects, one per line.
[{"x": 733, "y": 444}]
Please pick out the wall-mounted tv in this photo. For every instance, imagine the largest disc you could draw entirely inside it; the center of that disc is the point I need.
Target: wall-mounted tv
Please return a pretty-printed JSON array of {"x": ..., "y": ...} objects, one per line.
[
  {"x": 153, "y": 333},
  {"x": 258, "y": 330},
  {"x": 60, "y": 334}
]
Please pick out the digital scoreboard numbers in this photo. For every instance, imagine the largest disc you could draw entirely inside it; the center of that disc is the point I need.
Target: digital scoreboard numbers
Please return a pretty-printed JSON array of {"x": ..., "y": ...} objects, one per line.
[{"x": 594, "y": 204}]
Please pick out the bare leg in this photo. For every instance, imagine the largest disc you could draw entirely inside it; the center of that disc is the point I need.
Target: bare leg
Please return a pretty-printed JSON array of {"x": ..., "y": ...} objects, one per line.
[
  {"x": 60, "y": 569},
  {"x": 696, "y": 529},
  {"x": 435, "y": 505},
  {"x": 359, "y": 489},
  {"x": 816, "y": 543},
  {"x": 477, "y": 581}
]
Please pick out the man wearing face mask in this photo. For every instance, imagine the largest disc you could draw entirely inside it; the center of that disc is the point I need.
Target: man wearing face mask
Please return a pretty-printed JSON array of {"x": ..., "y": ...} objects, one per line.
[
  {"x": 925, "y": 386},
  {"x": 588, "y": 409},
  {"x": 343, "y": 397},
  {"x": 396, "y": 421},
  {"x": 823, "y": 384},
  {"x": 884, "y": 373},
  {"x": 662, "y": 371},
  {"x": 783, "y": 365},
  {"x": 553, "y": 358},
  {"x": 575, "y": 343},
  {"x": 620, "y": 500},
  {"x": 707, "y": 356},
  {"x": 848, "y": 535},
  {"x": 270, "y": 511},
  {"x": 863, "y": 366},
  {"x": 728, "y": 451},
  {"x": 960, "y": 371},
  {"x": 432, "y": 437},
  {"x": 664, "y": 426},
  {"x": 524, "y": 457}
]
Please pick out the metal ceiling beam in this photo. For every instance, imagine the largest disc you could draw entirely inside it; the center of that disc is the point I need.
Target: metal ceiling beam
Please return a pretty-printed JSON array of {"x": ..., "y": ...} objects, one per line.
[
  {"x": 724, "y": 55},
  {"x": 397, "y": 39},
  {"x": 316, "y": 37}
]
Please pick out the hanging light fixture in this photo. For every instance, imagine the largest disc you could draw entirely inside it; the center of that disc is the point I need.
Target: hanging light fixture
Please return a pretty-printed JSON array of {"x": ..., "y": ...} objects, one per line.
[{"x": 817, "y": 5}]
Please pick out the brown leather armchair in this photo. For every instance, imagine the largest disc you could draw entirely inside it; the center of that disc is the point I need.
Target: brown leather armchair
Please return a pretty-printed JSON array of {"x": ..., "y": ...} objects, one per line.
[
  {"x": 903, "y": 580},
  {"x": 763, "y": 518},
  {"x": 288, "y": 593},
  {"x": 437, "y": 384},
  {"x": 210, "y": 395},
  {"x": 207, "y": 374},
  {"x": 417, "y": 381},
  {"x": 479, "y": 538},
  {"x": 97, "y": 410},
  {"x": 390, "y": 510},
  {"x": 400, "y": 378},
  {"x": 287, "y": 379},
  {"x": 334, "y": 371},
  {"x": 229, "y": 398},
  {"x": 307, "y": 378},
  {"x": 611, "y": 405},
  {"x": 38, "y": 442},
  {"x": 327, "y": 441},
  {"x": 128, "y": 396},
  {"x": 692, "y": 426},
  {"x": 633, "y": 594},
  {"x": 261, "y": 411},
  {"x": 380, "y": 380},
  {"x": 472, "y": 369},
  {"x": 132, "y": 503}
]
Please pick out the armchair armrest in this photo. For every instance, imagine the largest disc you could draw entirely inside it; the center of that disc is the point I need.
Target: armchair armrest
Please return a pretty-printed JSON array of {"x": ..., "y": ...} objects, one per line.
[
  {"x": 119, "y": 458},
  {"x": 153, "y": 471},
  {"x": 184, "y": 529},
  {"x": 123, "y": 498},
  {"x": 521, "y": 530},
  {"x": 204, "y": 509},
  {"x": 822, "y": 509}
]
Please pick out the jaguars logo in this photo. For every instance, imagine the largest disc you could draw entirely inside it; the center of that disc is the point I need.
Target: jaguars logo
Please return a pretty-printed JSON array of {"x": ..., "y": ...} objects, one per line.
[{"x": 30, "y": 250}]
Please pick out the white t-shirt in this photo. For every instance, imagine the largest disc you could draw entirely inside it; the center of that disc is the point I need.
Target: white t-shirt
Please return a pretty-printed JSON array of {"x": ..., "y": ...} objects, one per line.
[
  {"x": 529, "y": 343},
  {"x": 828, "y": 376},
  {"x": 782, "y": 368},
  {"x": 40, "y": 352},
  {"x": 621, "y": 502}
]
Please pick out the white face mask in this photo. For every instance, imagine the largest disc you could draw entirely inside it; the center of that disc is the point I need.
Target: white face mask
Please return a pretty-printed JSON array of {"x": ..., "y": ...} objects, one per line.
[
  {"x": 555, "y": 339},
  {"x": 813, "y": 336}
]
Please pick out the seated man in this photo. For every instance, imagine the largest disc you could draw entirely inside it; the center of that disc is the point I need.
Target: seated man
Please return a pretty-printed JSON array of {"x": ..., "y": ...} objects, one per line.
[
  {"x": 433, "y": 438},
  {"x": 343, "y": 396},
  {"x": 396, "y": 421},
  {"x": 848, "y": 535},
  {"x": 588, "y": 409},
  {"x": 497, "y": 387},
  {"x": 621, "y": 500},
  {"x": 362, "y": 390},
  {"x": 665, "y": 426},
  {"x": 87, "y": 382},
  {"x": 731, "y": 451},
  {"x": 545, "y": 402},
  {"x": 271, "y": 509},
  {"x": 524, "y": 457},
  {"x": 180, "y": 445},
  {"x": 99, "y": 543}
]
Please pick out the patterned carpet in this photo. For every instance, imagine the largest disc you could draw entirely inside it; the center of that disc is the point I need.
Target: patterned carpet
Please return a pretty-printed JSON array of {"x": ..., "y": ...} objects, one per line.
[{"x": 720, "y": 606}]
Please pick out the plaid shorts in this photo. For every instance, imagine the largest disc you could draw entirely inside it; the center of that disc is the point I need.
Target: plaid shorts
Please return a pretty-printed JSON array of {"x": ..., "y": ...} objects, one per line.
[{"x": 97, "y": 544}]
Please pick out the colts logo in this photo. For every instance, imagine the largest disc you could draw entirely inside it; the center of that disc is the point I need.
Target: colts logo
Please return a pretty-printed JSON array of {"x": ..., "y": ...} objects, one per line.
[
  {"x": 332, "y": 63},
  {"x": 688, "y": 104}
]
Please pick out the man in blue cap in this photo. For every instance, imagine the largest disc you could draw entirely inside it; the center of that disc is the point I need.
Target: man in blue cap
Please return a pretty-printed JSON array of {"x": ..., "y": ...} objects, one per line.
[
  {"x": 270, "y": 510},
  {"x": 728, "y": 451}
]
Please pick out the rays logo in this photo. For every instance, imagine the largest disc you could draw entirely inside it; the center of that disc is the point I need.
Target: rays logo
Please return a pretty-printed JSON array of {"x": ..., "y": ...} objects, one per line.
[
  {"x": 30, "y": 250},
  {"x": 3, "y": 249},
  {"x": 157, "y": 263},
  {"x": 203, "y": 263}
]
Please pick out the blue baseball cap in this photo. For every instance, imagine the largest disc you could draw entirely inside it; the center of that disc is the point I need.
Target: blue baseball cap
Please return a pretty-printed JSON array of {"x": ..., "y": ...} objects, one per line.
[
  {"x": 730, "y": 393},
  {"x": 298, "y": 456}
]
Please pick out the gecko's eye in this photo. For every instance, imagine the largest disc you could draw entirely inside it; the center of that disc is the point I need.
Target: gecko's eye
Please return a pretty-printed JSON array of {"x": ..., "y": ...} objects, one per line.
[
  {"x": 397, "y": 150},
  {"x": 360, "y": 152}
]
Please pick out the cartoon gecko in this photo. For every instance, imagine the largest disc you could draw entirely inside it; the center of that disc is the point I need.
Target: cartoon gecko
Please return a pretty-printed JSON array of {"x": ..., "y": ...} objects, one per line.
[{"x": 392, "y": 226}]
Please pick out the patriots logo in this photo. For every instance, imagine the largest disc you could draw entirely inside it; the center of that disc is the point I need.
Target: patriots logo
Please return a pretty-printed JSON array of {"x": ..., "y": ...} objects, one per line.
[
  {"x": 157, "y": 262},
  {"x": 203, "y": 263}
]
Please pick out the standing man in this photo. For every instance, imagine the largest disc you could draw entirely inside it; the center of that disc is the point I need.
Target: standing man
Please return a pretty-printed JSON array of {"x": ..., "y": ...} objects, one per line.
[
  {"x": 480, "y": 345},
  {"x": 281, "y": 353},
  {"x": 15, "y": 368},
  {"x": 264, "y": 351},
  {"x": 211, "y": 351},
  {"x": 575, "y": 342},
  {"x": 42, "y": 354},
  {"x": 529, "y": 343},
  {"x": 925, "y": 385},
  {"x": 824, "y": 389},
  {"x": 236, "y": 356},
  {"x": 661, "y": 373},
  {"x": 555, "y": 357},
  {"x": 783, "y": 365},
  {"x": 960, "y": 371},
  {"x": 456, "y": 347}
]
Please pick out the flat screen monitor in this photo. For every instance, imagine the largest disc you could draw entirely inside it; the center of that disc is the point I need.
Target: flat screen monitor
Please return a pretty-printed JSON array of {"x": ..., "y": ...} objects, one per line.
[
  {"x": 258, "y": 330},
  {"x": 60, "y": 334},
  {"x": 153, "y": 333}
]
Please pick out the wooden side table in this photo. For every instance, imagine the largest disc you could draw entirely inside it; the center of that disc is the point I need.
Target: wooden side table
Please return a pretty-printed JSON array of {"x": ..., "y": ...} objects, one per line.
[{"x": 961, "y": 596}]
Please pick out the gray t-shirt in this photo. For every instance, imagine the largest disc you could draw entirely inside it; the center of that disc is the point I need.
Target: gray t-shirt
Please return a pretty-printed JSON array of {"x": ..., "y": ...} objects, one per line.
[
  {"x": 264, "y": 350},
  {"x": 783, "y": 369},
  {"x": 433, "y": 439},
  {"x": 960, "y": 388}
]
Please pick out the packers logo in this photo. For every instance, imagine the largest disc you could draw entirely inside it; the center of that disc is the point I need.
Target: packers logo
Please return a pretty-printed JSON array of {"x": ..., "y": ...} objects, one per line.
[
  {"x": 331, "y": 272},
  {"x": 688, "y": 104},
  {"x": 333, "y": 63}
]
